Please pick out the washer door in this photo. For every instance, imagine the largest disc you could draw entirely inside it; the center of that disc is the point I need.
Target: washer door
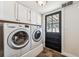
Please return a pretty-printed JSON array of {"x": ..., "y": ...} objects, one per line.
[
  {"x": 18, "y": 38},
  {"x": 37, "y": 35}
]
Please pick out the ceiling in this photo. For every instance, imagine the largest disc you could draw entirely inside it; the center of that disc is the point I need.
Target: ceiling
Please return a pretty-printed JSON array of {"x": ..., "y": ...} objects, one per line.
[{"x": 51, "y": 5}]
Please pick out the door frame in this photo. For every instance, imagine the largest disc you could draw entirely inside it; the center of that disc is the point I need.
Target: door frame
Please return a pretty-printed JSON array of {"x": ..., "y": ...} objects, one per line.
[{"x": 60, "y": 23}]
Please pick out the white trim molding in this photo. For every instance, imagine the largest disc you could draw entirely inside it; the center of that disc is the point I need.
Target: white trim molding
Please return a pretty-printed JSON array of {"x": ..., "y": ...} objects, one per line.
[{"x": 68, "y": 54}]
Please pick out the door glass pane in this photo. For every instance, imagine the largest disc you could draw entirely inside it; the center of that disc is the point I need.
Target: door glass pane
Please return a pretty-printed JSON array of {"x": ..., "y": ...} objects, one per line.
[
  {"x": 53, "y": 23},
  {"x": 49, "y": 24}
]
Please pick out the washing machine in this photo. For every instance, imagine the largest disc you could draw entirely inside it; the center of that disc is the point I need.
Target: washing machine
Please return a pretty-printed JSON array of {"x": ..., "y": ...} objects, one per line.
[
  {"x": 15, "y": 39},
  {"x": 36, "y": 36}
]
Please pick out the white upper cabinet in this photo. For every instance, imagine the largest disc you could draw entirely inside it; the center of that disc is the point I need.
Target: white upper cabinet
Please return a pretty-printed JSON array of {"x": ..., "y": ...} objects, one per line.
[
  {"x": 35, "y": 18},
  {"x": 29, "y": 15},
  {"x": 8, "y": 10},
  {"x": 23, "y": 14},
  {"x": 38, "y": 19},
  {"x": 16, "y": 12}
]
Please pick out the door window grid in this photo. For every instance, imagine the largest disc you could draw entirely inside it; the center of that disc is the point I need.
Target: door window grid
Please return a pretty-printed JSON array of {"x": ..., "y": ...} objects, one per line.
[{"x": 53, "y": 23}]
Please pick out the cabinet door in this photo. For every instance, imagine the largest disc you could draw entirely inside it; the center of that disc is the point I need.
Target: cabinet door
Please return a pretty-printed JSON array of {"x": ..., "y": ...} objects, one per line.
[
  {"x": 29, "y": 15},
  {"x": 38, "y": 19},
  {"x": 7, "y": 10},
  {"x": 1, "y": 10},
  {"x": 33, "y": 17},
  {"x": 22, "y": 13}
]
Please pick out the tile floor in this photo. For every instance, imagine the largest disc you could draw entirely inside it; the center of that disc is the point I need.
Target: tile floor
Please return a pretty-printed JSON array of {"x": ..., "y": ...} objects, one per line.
[{"x": 47, "y": 52}]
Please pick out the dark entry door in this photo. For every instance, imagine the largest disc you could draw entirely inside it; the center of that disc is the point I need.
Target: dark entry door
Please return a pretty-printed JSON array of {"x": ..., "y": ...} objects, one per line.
[{"x": 53, "y": 30}]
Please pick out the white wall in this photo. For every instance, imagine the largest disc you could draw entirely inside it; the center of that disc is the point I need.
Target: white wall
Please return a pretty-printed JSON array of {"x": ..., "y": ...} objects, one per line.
[
  {"x": 43, "y": 28},
  {"x": 70, "y": 29}
]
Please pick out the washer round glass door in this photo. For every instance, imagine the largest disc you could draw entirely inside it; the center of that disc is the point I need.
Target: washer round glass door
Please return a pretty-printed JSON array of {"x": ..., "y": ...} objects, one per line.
[
  {"x": 18, "y": 38},
  {"x": 37, "y": 35}
]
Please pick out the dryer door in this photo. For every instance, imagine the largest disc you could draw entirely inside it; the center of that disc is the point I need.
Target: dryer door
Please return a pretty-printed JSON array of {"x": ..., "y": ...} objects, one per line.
[
  {"x": 37, "y": 34},
  {"x": 18, "y": 38}
]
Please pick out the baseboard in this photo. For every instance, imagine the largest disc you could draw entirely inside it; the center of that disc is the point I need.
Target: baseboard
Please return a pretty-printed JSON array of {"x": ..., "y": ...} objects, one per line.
[
  {"x": 68, "y": 54},
  {"x": 34, "y": 52}
]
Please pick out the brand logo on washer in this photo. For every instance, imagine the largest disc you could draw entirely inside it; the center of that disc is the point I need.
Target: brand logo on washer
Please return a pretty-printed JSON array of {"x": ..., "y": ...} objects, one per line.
[{"x": 11, "y": 26}]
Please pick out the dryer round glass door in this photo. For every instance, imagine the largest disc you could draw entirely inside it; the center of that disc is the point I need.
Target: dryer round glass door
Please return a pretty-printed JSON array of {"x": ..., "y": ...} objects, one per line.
[
  {"x": 37, "y": 35},
  {"x": 18, "y": 38}
]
